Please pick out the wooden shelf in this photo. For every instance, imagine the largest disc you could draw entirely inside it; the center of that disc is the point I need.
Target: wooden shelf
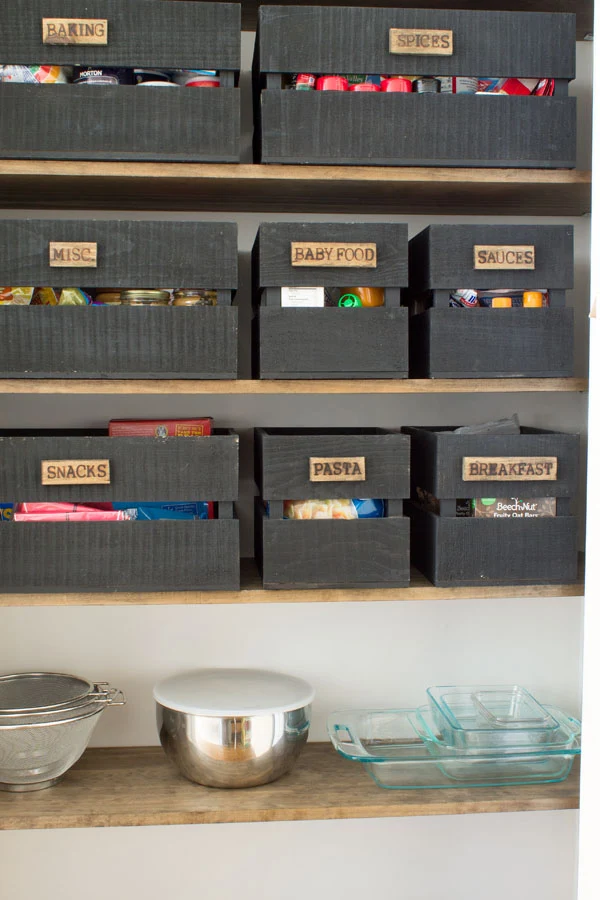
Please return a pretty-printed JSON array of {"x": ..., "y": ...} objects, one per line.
[
  {"x": 48, "y": 184},
  {"x": 138, "y": 786},
  {"x": 306, "y": 386},
  {"x": 253, "y": 592}
]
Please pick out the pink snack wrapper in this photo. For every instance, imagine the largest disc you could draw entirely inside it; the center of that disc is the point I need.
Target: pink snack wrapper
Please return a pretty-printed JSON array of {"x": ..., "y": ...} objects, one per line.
[
  {"x": 60, "y": 507},
  {"x": 90, "y": 515}
]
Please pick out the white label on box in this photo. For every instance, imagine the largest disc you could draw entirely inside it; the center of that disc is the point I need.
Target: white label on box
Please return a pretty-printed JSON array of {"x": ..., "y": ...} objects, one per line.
[{"x": 303, "y": 296}]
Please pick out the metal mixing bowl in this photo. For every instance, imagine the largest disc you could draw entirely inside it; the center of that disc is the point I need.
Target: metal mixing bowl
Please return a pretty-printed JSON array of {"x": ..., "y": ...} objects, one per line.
[{"x": 233, "y": 752}]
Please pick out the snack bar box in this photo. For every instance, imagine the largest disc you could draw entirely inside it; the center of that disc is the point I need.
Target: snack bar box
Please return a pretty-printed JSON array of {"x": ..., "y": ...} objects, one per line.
[
  {"x": 331, "y": 553},
  {"x": 122, "y": 122},
  {"x": 139, "y": 555},
  {"x": 333, "y": 127},
  {"x": 119, "y": 341},
  {"x": 450, "y": 342},
  {"x": 330, "y": 342},
  {"x": 519, "y": 549}
]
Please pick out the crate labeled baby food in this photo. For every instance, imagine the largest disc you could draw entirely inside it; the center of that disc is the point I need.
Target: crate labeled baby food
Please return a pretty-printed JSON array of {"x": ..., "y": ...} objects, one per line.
[
  {"x": 357, "y": 537},
  {"x": 98, "y": 513},
  {"x": 327, "y": 300},
  {"x": 120, "y": 80},
  {"x": 489, "y": 301},
  {"x": 491, "y": 509},
  {"x": 427, "y": 87},
  {"x": 166, "y": 313}
]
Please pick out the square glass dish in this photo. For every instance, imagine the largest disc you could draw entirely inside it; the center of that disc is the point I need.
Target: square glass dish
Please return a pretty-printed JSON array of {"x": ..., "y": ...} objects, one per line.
[{"x": 399, "y": 749}]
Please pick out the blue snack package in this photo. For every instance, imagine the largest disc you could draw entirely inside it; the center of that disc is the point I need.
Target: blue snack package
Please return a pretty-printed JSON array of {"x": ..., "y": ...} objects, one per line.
[
  {"x": 159, "y": 510},
  {"x": 6, "y": 512}
]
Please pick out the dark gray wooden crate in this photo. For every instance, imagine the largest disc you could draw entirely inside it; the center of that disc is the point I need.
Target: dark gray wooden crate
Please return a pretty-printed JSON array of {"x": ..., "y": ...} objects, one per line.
[
  {"x": 327, "y": 553},
  {"x": 480, "y": 552},
  {"x": 482, "y": 343},
  {"x": 401, "y": 129},
  {"x": 131, "y": 254},
  {"x": 141, "y": 468},
  {"x": 43, "y": 557},
  {"x": 436, "y": 456}
]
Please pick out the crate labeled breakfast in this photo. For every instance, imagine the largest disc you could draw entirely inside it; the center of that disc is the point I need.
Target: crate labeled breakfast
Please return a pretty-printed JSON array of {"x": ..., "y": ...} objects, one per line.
[
  {"x": 120, "y": 80},
  {"x": 357, "y": 536},
  {"x": 144, "y": 509},
  {"x": 425, "y": 87},
  {"x": 327, "y": 300},
  {"x": 489, "y": 301},
  {"x": 167, "y": 311},
  {"x": 491, "y": 505}
]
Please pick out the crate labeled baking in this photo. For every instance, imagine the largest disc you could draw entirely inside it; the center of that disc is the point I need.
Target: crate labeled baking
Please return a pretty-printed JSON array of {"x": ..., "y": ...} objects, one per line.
[
  {"x": 82, "y": 511},
  {"x": 426, "y": 87},
  {"x": 327, "y": 300},
  {"x": 167, "y": 311},
  {"x": 120, "y": 80},
  {"x": 357, "y": 536},
  {"x": 493, "y": 508},
  {"x": 489, "y": 301}
]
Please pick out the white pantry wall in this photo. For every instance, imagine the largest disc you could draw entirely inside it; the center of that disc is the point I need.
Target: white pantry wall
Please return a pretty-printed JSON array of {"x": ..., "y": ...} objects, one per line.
[{"x": 355, "y": 654}]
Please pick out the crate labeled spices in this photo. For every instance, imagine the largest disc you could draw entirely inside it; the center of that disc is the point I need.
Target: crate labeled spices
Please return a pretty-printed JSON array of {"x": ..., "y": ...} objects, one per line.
[
  {"x": 327, "y": 300},
  {"x": 342, "y": 541},
  {"x": 488, "y": 301},
  {"x": 166, "y": 313},
  {"x": 427, "y": 87},
  {"x": 493, "y": 509},
  {"x": 120, "y": 80},
  {"x": 117, "y": 476}
]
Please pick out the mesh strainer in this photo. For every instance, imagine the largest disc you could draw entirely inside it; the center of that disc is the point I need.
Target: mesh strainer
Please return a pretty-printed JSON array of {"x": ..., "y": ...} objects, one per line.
[{"x": 32, "y": 694}]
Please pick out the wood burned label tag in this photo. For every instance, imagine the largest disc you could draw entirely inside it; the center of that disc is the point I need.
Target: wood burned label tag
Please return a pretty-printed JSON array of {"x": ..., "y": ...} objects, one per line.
[
  {"x": 337, "y": 254},
  {"x": 73, "y": 254},
  {"x": 421, "y": 41},
  {"x": 75, "y": 471},
  {"x": 337, "y": 468},
  {"x": 503, "y": 256},
  {"x": 510, "y": 468},
  {"x": 74, "y": 31}
]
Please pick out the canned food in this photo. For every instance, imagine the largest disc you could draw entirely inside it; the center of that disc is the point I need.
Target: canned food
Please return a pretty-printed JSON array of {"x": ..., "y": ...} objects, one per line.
[
  {"x": 36, "y": 74},
  {"x": 102, "y": 75},
  {"x": 332, "y": 83},
  {"x": 427, "y": 85},
  {"x": 397, "y": 85},
  {"x": 195, "y": 297},
  {"x": 145, "y": 298},
  {"x": 140, "y": 76}
]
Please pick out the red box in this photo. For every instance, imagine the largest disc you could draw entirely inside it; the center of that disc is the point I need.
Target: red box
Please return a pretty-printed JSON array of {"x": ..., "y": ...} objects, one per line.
[{"x": 160, "y": 427}]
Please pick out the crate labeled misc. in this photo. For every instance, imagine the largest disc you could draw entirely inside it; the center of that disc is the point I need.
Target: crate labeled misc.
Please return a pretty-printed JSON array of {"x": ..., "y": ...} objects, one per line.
[
  {"x": 429, "y": 87},
  {"x": 327, "y": 300},
  {"x": 493, "y": 509},
  {"x": 114, "y": 536},
  {"x": 121, "y": 80},
  {"x": 304, "y": 541},
  {"x": 489, "y": 301},
  {"x": 167, "y": 311}
]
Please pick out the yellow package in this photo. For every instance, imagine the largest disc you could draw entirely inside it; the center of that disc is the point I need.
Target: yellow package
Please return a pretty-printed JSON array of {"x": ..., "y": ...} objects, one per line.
[
  {"x": 73, "y": 297},
  {"x": 44, "y": 296},
  {"x": 16, "y": 296}
]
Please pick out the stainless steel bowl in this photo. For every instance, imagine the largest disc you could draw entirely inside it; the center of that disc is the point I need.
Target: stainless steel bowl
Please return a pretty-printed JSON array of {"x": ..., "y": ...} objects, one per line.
[{"x": 233, "y": 752}]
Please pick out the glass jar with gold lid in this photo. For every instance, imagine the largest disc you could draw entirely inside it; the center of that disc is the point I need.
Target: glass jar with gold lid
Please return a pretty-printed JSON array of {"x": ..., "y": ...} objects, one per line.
[
  {"x": 140, "y": 297},
  {"x": 194, "y": 297}
]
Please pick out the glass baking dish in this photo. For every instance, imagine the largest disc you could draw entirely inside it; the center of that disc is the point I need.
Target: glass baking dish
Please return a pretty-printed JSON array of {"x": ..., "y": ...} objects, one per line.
[
  {"x": 399, "y": 749},
  {"x": 477, "y": 716}
]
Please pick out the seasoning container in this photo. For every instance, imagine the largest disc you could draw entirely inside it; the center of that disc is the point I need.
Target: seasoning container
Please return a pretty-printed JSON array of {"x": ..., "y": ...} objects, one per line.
[
  {"x": 427, "y": 85},
  {"x": 450, "y": 84},
  {"x": 332, "y": 83},
  {"x": 102, "y": 75},
  {"x": 367, "y": 87},
  {"x": 533, "y": 299},
  {"x": 141, "y": 76},
  {"x": 303, "y": 82},
  {"x": 108, "y": 296},
  {"x": 195, "y": 297},
  {"x": 197, "y": 78},
  {"x": 145, "y": 298},
  {"x": 501, "y": 302},
  {"x": 397, "y": 85}
]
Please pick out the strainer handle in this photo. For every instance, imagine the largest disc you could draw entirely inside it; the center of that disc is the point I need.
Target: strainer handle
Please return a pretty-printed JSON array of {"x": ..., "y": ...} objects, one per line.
[{"x": 112, "y": 696}]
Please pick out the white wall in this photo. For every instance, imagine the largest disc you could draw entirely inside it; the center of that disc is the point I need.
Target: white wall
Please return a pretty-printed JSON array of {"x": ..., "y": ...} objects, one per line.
[{"x": 355, "y": 654}]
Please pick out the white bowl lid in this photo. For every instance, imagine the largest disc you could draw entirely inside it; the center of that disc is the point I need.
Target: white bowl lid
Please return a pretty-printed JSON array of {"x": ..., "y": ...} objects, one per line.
[{"x": 233, "y": 692}]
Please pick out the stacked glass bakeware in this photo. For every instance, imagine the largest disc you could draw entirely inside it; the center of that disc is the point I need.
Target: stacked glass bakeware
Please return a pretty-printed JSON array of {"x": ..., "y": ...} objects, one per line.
[{"x": 471, "y": 736}]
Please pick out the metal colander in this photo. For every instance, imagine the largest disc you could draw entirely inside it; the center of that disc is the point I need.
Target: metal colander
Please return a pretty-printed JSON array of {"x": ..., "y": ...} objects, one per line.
[{"x": 32, "y": 692}]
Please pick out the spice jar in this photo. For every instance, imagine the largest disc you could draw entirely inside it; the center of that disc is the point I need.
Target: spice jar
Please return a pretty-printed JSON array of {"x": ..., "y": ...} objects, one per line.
[
  {"x": 194, "y": 297},
  {"x": 145, "y": 298}
]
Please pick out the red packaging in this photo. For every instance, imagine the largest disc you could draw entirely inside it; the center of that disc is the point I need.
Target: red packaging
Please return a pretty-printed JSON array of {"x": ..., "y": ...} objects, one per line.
[
  {"x": 332, "y": 83},
  {"x": 90, "y": 515},
  {"x": 160, "y": 427},
  {"x": 397, "y": 85},
  {"x": 47, "y": 507},
  {"x": 366, "y": 86},
  {"x": 305, "y": 82}
]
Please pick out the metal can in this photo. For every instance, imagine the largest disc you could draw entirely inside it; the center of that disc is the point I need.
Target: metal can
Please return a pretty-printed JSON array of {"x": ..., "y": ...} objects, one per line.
[
  {"x": 332, "y": 83},
  {"x": 194, "y": 297},
  {"x": 427, "y": 85},
  {"x": 102, "y": 75},
  {"x": 145, "y": 298}
]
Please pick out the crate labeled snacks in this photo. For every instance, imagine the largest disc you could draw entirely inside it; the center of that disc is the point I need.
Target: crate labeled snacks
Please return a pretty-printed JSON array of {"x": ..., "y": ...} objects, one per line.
[
  {"x": 513, "y": 546},
  {"x": 124, "y": 121},
  {"x": 330, "y": 342},
  {"x": 119, "y": 341},
  {"x": 338, "y": 464},
  {"x": 455, "y": 342},
  {"x": 138, "y": 555},
  {"x": 411, "y": 129}
]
